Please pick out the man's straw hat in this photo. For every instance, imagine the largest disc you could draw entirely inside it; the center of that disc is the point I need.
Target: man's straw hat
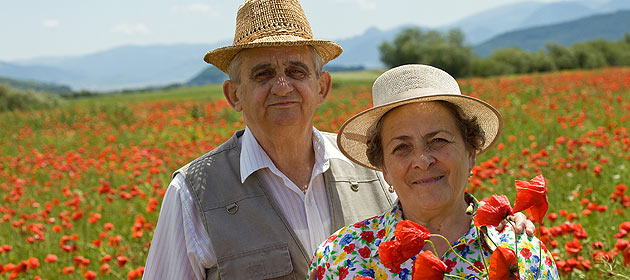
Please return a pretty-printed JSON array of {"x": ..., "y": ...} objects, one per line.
[
  {"x": 267, "y": 23},
  {"x": 409, "y": 84}
]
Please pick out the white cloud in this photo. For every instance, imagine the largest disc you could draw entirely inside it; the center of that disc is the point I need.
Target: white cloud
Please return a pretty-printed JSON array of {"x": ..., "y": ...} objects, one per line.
[
  {"x": 131, "y": 29},
  {"x": 199, "y": 8},
  {"x": 51, "y": 23}
]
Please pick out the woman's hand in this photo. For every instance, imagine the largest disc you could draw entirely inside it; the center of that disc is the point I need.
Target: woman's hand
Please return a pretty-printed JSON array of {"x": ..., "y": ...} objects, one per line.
[{"x": 521, "y": 224}]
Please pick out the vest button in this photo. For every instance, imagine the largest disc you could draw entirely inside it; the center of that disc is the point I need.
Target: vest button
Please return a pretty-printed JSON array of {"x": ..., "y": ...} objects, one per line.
[
  {"x": 232, "y": 208},
  {"x": 354, "y": 186}
]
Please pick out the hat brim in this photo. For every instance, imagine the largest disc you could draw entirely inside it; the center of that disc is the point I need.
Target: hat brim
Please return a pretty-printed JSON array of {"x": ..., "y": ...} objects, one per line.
[
  {"x": 222, "y": 57},
  {"x": 352, "y": 136}
]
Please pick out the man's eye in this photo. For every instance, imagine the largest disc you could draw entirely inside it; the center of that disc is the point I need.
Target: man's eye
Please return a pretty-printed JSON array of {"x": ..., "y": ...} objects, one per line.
[
  {"x": 296, "y": 73},
  {"x": 263, "y": 74}
]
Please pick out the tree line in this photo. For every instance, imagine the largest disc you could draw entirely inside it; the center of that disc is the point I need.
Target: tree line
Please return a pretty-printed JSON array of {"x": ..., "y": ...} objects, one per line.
[{"x": 448, "y": 51}]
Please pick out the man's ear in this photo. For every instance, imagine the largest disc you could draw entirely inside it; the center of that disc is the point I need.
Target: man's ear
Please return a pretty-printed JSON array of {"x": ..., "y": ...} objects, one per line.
[
  {"x": 230, "y": 90},
  {"x": 325, "y": 83}
]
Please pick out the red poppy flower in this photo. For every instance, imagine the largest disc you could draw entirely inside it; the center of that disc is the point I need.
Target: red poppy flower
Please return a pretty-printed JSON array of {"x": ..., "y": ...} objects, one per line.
[
  {"x": 389, "y": 251},
  {"x": 532, "y": 196},
  {"x": 409, "y": 241},
  {"x": 428, "y": 267},
  {"x": 503, "y": 264},
  {"x": 493, "y": 211},
  {"x": 363, "y": 278},
  {"x": 626, "y": 257},
  {"x": 411, "y": 237}
]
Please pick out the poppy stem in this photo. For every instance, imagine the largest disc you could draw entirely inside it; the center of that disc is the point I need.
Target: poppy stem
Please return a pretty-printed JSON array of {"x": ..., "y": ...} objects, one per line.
[
  {"x": 515, "y": 242},
  {"x": 483, "y": 257},
  {"x": 455, "y": 276},
  {"x": 450, "y": 248},
  {"x": 540, "y": 255}
]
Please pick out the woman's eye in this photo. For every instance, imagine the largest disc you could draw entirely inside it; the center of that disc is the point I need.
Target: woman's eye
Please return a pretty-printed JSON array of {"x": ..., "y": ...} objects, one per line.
[
  {"x": 438, "y": 142},
  {"x": 401, "y": 147}
]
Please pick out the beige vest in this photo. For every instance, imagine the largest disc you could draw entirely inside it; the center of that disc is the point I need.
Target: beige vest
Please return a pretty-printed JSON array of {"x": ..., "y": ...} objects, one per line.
[{"x": 250, "y": 236}]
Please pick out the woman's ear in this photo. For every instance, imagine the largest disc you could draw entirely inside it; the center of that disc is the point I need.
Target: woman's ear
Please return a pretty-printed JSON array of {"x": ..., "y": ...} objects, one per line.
[
  {"x": 386, "y": 176},
  {"x": 230, "y": 91},
  {"x": 472, "y": 159}
]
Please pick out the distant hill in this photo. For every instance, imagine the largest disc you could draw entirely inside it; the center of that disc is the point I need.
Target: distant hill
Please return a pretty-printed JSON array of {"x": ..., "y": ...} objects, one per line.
[
  {"x": 132, "y": 67},
  {"x": 487, "y": 24},
  {"x": 209, "y": 75},
  {"x": 37, "y": 86},
  {"x": 363, "y": 49},
  {"x": 43, "y": 73},
  {"x": 610, "y": 26},
  {"x": 122, "y": 67}
]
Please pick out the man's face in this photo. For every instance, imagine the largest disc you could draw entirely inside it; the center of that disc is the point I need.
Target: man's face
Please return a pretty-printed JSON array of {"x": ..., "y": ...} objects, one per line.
[{"x": 278, "y": 88}]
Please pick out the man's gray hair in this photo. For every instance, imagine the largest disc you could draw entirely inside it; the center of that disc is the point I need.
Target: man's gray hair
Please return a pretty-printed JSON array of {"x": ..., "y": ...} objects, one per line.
[{"x": 234, "y": 69}]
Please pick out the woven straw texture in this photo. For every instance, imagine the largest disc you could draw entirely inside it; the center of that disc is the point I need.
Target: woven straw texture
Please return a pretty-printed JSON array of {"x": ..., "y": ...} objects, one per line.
[
  {"x": 267, "y": 23},
  {"x": 409, "y": 84}
]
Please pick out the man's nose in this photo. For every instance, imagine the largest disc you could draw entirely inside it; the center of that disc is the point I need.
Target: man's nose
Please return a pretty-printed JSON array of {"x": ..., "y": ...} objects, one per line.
[{"x": 281, "y": 86}]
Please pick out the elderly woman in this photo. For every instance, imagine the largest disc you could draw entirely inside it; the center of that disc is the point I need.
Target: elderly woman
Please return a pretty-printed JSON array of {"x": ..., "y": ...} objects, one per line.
[{"x": 424, "y": 135}]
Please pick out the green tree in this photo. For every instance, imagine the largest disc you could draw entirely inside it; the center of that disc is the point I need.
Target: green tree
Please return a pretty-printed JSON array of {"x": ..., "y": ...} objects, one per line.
[
  {"x": 588, "y": 56},
  {"x": 519, "y": 59},
  {"x": 562, "y": 57},
  {"x": 445, "y": 51}
]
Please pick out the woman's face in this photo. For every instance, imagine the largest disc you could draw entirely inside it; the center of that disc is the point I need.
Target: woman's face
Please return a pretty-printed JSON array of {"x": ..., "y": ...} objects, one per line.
[{"x": 425, "y": 157}]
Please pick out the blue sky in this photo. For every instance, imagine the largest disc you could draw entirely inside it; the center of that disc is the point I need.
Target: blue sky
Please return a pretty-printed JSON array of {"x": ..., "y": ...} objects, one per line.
[{"x": 35, "y": 28}]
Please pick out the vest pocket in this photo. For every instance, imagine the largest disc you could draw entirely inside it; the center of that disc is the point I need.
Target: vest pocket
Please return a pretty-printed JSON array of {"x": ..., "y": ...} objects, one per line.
[{"x": 269, "y": 262}]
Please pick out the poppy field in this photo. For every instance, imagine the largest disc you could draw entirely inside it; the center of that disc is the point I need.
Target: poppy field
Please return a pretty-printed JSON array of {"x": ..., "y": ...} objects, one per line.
[{"x": 81, "y": 185}]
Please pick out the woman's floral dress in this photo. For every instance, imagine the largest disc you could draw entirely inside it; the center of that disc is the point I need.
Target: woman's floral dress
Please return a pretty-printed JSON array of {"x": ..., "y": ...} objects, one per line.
[{"x": 353, "y": 251}]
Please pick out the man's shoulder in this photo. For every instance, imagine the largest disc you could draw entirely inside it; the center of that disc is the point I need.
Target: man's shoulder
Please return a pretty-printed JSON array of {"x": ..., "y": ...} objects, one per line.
[{"x": 211, "y": 156}]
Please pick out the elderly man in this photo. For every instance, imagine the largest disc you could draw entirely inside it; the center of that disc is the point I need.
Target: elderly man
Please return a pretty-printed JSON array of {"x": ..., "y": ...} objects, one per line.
[{"x": 258, "y": 205}]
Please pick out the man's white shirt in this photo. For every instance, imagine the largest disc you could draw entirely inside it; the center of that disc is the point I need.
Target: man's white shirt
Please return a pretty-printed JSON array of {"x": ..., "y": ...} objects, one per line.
[{"x": 181, "y": 247}]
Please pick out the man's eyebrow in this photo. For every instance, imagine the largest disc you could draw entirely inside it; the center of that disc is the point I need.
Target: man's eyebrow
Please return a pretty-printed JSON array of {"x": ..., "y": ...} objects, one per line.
[
  {"x": 299, "y": 64},
  {"x": 258, "y": 68}
]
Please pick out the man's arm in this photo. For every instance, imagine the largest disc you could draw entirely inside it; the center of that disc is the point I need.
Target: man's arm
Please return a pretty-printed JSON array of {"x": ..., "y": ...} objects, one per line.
[{"x": 180, "y": 248}]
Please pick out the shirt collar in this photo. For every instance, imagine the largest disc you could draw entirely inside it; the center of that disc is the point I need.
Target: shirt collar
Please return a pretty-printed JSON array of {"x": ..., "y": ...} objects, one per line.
[{"x": 254, "y": 158}]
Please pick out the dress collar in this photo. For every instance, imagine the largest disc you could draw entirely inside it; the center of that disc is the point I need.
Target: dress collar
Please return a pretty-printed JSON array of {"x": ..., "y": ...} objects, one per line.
[{"x": 389, "y": 220}]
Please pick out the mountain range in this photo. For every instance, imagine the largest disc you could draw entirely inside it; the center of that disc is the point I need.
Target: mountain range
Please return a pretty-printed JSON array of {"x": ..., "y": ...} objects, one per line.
[
  {"x": 610, "y": 27},
  {"x": 526, "y": 24}
]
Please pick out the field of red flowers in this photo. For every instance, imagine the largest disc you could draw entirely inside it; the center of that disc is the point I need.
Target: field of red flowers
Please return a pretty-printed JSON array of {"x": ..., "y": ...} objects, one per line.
[{"x": 81, "y": 185}]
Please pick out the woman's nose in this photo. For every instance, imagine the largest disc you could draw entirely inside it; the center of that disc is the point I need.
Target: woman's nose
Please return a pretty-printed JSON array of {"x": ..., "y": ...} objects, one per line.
[
  {"x": 423, "y": 160},
  {"x": 281, "y": 86}
]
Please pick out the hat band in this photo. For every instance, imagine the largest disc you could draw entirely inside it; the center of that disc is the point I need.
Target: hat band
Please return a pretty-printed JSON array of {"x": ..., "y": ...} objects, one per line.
[{"x": 414, "y": 93}]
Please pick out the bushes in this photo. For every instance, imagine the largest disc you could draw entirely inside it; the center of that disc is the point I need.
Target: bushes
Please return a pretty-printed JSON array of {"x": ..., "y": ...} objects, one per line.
[
  {"x": 448, "y": 52},
  {"x": 412, "y": 45},
  {"x": 15, "y": 99}
]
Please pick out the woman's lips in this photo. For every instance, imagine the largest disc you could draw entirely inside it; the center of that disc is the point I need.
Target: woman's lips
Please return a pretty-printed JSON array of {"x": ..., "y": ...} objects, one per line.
[{"x": 428, "y": 180}]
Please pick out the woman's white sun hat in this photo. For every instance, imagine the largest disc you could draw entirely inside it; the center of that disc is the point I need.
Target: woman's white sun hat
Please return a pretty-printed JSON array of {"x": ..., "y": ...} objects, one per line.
[{"x": 409, "y": 84}]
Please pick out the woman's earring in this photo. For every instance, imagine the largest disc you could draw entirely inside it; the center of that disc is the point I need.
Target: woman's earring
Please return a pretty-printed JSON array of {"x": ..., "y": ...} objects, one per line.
[
  {"x": 470, "y": 174},
  {"x": 391, "y": 189}
]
